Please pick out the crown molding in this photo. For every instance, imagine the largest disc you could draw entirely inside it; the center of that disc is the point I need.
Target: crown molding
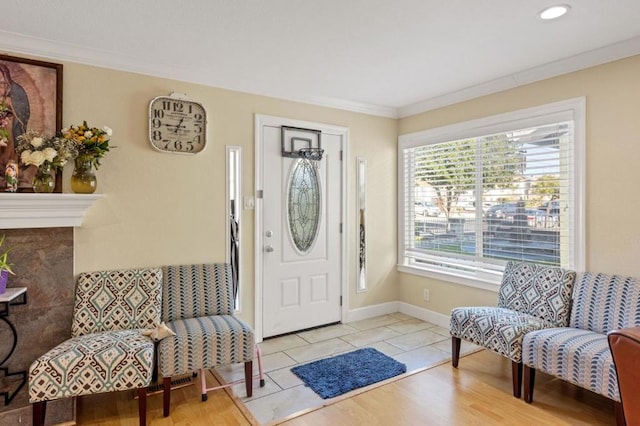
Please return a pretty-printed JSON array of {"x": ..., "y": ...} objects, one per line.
[
  {"x": 14, "y": 43},
  {"x": 584, "y": 60},
  {"x": 29, "y": 210},
  {"x": 343, "y": 104}
]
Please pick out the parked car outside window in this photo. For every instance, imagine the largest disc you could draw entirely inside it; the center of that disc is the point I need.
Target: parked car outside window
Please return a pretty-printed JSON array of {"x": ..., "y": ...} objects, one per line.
[
  {"x": 534, "y": 218},
  {"x": 554, "y": 210},
  {"x": 502, "y": 211},
  {"x": 426, "y": 208}
]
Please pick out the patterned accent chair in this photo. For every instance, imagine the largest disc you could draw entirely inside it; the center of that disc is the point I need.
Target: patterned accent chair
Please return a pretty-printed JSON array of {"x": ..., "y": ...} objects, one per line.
[
  {"x": 107, "y": 351},
  {"x": 531, "y": 297},
  {"x": 198, "y": 306},
  {"x": 579, "y": 353}
]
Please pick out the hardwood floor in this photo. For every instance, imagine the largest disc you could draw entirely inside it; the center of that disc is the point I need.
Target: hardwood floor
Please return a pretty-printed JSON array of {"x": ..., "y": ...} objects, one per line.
[
  {"x": 477, "y": 393},
  {"x": 187, "y": 408}
]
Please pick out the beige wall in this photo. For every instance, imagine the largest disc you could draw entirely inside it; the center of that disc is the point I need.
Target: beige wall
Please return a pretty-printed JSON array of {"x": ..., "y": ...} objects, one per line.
[
  {"x": 170, "y": 209},
  {"x": 612, "y": 208}
]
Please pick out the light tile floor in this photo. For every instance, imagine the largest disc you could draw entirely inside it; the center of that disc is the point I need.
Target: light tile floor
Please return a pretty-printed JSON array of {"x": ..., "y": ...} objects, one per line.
[{"x": 416, "y": 343}]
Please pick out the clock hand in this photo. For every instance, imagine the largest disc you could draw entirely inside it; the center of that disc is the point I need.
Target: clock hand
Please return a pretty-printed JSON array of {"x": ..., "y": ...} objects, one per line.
[{"x": 179, "y": 125}]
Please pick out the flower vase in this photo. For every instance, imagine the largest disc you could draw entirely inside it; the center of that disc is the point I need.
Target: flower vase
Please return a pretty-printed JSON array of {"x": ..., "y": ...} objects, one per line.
[
  {"x": 44, "y": 181},
  {"x": 4, "y": 277},
  {"x": 11, "y": 176},
  {"x": 83, "y": 180}
]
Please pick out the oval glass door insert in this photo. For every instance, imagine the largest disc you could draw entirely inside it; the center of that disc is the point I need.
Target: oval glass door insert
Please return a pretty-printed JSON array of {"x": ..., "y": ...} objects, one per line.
[{"x": 303, "y": 205}]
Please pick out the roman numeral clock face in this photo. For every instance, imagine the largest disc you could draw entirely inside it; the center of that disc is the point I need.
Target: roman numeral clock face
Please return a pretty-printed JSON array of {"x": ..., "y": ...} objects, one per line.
[{"x": 177, "y": 125}]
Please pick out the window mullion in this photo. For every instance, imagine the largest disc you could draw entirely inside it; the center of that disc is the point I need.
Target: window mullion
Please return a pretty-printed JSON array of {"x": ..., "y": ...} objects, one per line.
[{"x": 478, "y": 197}]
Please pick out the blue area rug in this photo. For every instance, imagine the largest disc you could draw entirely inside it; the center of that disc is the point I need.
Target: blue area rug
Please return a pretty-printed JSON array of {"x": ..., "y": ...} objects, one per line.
[{"x": 334, "y": 376}]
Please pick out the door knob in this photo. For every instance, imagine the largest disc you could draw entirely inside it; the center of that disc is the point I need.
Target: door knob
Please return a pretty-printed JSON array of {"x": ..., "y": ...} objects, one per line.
[{"x": 268, "y": 248}]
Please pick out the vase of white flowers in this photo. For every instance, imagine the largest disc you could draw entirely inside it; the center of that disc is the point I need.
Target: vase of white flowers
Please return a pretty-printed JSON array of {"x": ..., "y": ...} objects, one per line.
[
  {"x": 47, "y": 155},
  {"x": 44, "y": 181}
]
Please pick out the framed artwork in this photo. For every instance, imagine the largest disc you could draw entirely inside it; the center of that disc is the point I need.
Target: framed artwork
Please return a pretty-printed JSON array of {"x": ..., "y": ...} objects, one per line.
[{"x": 32, "y": 91}]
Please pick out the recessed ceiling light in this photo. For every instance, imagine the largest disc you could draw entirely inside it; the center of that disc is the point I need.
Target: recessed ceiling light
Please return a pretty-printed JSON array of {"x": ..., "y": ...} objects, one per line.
[{"x": 554, "y": 12}]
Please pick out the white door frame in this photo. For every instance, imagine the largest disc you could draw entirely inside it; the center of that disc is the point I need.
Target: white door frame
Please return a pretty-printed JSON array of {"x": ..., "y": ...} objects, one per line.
[{"x": 267, "y": 120}]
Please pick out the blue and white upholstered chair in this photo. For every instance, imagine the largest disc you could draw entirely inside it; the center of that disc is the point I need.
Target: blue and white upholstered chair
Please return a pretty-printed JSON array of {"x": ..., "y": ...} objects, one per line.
[
  {"x": 531, "y": 297},
  {"x": 107, "y": 352},
  {"x": 198, "y": 305},
  {"x": 579, "y": 353}
]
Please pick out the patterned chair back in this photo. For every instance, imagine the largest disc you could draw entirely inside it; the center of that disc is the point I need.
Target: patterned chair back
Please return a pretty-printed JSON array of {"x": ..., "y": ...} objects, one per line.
[
  {"x": 117, "y": 300},
  {"x": 605, "y": 302},
  {"x": 192, "y": 291},
  {"x": 538, "y": 290}
]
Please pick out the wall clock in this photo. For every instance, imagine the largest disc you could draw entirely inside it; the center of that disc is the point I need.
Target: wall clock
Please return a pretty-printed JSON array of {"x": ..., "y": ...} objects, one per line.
[{"x": 177, "y": 124}]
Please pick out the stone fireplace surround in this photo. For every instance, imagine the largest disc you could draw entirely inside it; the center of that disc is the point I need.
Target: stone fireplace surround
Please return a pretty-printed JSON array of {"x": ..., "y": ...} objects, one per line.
[{"x": 39, "y": 229}]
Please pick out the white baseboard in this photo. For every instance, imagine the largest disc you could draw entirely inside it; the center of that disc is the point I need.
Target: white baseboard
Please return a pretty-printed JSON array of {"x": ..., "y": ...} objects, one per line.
[
  {"x": 371, "y": 311},
  {"x": 424, "y": 314},
  {"x": 393, "y": 307}
]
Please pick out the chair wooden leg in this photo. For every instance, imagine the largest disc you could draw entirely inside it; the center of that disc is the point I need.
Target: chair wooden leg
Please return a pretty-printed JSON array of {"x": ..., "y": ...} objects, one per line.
[
  {"x": 166, "y": 396},
  {"x": 142, "y": 405},
  {"x": 529, "y": 381},
  {"x": 248, "y": 377},
  {"x": 516, "y": 372},
  {"x": 154, "y": 373},
  {"x": 39, "y": 412},
  {"x": 455, "y": 351},
  {"x": 620, "y": 420}
]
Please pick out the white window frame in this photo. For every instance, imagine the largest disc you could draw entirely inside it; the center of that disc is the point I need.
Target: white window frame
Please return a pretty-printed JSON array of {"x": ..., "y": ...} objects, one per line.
[{"x": 571, "y": 109}]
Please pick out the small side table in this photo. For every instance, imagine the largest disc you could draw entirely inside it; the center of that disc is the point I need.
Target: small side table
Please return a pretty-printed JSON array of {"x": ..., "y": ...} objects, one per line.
[{"x": 13, "y": 296}]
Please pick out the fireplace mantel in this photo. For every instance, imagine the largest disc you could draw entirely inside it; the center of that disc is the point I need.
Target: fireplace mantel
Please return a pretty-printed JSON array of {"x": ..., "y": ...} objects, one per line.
[{"x": 26, "y": 210}]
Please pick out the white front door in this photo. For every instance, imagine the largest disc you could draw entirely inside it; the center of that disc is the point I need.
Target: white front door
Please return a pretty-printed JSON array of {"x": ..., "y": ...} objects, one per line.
[{"x": 301, "y": 246}]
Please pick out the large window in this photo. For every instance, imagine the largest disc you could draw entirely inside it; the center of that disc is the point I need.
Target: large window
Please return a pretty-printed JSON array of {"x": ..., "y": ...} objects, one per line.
[{"x": 474, "y": 195}]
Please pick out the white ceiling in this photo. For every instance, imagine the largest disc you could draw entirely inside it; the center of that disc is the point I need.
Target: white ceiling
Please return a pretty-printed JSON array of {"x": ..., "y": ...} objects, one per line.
[{"x": 385, "y": 57}]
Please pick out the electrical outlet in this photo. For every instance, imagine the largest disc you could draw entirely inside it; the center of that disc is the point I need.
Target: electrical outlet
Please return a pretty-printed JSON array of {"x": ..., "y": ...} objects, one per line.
[
  {"x": 427, "y": 295},
  {"x": 248, "y": 202}
]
